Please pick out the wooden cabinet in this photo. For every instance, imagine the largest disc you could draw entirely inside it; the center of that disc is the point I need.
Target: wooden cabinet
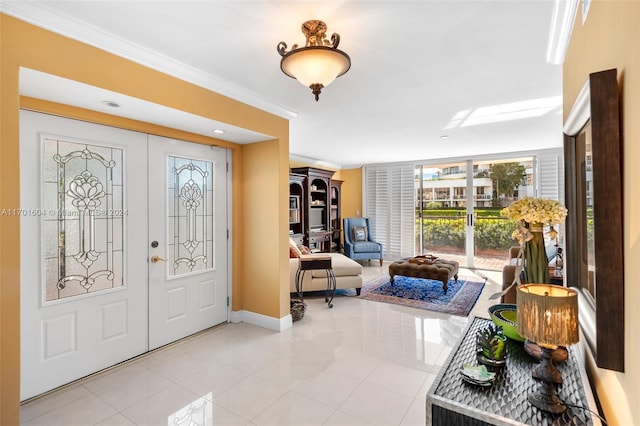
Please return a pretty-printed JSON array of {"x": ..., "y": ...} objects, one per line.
[
  {"x": 335, "y": 215},
  {"x": 316, "y": 204},
  {"x": 297, "y": 196}
]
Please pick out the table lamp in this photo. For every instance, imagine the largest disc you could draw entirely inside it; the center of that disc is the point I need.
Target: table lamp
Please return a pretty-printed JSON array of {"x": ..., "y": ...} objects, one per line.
[{"x": 547, "y": 315}]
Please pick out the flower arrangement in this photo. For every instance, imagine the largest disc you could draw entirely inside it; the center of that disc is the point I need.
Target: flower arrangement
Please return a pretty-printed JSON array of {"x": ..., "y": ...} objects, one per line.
[
  {"x": 535, "y": 210},
  {"x": 532, "y": 215}
]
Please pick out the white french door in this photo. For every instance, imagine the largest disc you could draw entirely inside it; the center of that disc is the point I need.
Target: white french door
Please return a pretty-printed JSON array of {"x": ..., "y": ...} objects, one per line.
[
  {"x": 90, "y": 298},
  {"x": 188, "y": 249}
]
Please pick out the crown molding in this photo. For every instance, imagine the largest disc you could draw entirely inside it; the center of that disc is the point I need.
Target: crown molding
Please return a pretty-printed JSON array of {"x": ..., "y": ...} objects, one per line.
[
  {"x": 564, "y": 16},
  {"x": 314, "y": 162},
  {"x": 51, "y": 20},
  {"x": 352, "y": 166}
]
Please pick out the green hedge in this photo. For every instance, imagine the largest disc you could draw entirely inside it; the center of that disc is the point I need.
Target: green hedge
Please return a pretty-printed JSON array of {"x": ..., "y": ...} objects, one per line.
[
  {"x": 449, "y": 212},
  {"x": 492, "y": 234}
]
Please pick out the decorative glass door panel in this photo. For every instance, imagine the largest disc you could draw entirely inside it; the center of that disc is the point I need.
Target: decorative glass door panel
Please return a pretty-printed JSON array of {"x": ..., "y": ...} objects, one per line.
[
  {"x": 190, "y": 216},
  {"x": 82, "y": 218}
]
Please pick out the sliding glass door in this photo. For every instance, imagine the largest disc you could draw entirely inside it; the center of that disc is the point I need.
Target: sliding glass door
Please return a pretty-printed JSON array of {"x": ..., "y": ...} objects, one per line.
[
  {"x": 497, "y": 183},
  {"x": 458, "y": 208},
  {"x": 441, "y": 213}
]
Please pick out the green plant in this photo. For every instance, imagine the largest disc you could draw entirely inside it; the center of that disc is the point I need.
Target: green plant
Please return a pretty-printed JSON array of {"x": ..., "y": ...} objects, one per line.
[
  {"x": 491, "y": 233},
  {"x": 433, "y": 205},
  {"x": 491, "y": 342},
  {"x": 444, "y": 232}
]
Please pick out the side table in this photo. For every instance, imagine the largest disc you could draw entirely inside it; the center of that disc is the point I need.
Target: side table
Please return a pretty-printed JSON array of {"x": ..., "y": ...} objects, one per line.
[
  {"x": 308, "y": 262},
  {"x": 452, "y": 401}
]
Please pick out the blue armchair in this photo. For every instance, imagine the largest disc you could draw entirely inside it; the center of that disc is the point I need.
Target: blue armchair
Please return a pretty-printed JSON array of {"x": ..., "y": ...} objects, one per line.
[{"x": 358, "y": 244}]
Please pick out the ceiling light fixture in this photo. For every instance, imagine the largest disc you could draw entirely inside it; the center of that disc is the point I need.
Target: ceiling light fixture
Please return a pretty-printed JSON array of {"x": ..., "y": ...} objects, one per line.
[{"x": 318, "y": 63}]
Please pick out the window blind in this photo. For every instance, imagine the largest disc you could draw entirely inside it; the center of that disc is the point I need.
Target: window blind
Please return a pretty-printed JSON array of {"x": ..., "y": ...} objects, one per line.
[
  {"x": 389, "y": 204},
  {"x": 551, "y": 176}
]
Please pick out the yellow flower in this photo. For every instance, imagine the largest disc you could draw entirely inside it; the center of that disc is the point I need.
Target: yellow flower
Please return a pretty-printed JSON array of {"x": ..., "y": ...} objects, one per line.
[
  {"x": 535, "y": 210},
  {"x": 517, "y": 235}
]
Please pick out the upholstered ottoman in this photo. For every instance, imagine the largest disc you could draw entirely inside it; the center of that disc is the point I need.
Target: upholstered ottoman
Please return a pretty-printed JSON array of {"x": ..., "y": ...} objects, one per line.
[{"x": 428, "y": 267}]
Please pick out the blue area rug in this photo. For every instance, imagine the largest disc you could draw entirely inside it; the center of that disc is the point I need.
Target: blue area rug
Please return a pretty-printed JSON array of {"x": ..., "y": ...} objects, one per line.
[{"x": 425, "y": 294}]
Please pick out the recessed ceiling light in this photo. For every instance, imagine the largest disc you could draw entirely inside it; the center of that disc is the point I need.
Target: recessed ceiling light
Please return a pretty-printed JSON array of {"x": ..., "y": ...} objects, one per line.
[
  {"x": 218, "y": 131},
  {"x": 111, "y": 104},
  {"x": 444, "y": 137}
]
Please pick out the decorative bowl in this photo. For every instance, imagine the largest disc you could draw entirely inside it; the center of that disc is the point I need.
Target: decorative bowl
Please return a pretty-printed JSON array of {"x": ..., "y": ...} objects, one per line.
[{"x": 505, "y": 315}]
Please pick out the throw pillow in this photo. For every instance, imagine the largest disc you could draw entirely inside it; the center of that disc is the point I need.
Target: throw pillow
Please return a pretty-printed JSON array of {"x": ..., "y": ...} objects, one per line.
[
  {"x": 304, "y": 249},
  {"x": 294, "y": 251},
  {"x": 359, "y": 233}
]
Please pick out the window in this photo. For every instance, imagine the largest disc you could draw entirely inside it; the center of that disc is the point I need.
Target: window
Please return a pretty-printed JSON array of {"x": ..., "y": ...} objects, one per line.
[{"x": 397, "y": 197}]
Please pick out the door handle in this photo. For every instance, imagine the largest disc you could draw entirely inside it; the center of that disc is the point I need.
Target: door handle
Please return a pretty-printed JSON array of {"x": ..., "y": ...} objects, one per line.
[
  {"x": 156, "y": 259},
  {"x": 471, "y": 219}
]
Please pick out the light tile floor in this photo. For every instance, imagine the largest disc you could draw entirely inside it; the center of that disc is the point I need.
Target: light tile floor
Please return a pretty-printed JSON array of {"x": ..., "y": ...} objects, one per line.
[{"x": 360, "y": 363}]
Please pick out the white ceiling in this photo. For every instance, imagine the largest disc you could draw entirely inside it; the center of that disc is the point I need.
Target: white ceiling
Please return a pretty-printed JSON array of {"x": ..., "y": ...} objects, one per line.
[{"x": 474, "y": 71}]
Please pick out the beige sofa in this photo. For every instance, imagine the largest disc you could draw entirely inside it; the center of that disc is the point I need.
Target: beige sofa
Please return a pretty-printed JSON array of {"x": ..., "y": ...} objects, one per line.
[{"x": 348, "y": 274}]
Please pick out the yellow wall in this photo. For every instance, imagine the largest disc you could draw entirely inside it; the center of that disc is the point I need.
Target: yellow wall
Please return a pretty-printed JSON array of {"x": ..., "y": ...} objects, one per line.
[
  {"x": 254, "y": 248},
  {"x": 258, "y": 217},
  {"x": 351, "y": 192},
  {"x": 611, "y": 39}
]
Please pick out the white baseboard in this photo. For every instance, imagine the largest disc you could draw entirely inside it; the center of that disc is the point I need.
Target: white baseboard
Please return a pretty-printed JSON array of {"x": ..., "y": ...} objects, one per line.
[{"x": 276, "y": 324}]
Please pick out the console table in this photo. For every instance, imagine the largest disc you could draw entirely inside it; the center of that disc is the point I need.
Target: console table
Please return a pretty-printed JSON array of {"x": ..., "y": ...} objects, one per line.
[{"x": 452, "y": 401}]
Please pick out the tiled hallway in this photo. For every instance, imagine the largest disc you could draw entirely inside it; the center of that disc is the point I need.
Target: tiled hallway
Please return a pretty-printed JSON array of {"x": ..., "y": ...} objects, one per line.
[{"x": 360, "y": 363}]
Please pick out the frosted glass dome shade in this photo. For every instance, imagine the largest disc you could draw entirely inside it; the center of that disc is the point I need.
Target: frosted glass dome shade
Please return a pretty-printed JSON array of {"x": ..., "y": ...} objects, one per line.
[{"x": 315, "y": 65}]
